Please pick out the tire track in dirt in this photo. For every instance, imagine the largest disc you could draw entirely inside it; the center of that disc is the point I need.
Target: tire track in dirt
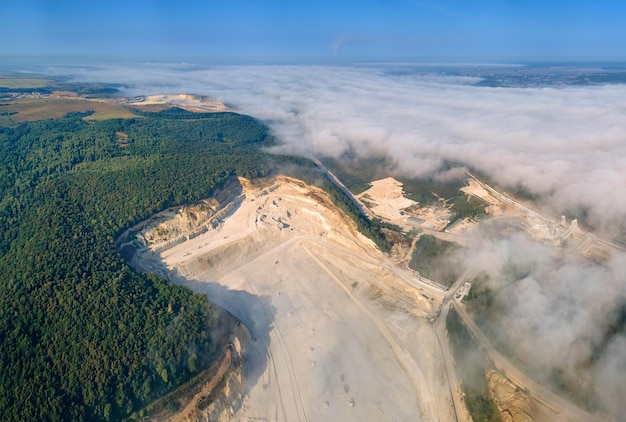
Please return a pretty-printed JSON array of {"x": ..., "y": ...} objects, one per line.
[
  {"x": 403, "y": 358},
  {"x": 287, "y": 357},
  {"x": 292, "y": 374}
]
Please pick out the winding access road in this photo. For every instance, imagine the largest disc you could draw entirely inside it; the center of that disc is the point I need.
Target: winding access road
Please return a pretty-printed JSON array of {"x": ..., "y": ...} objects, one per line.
[{"x": 460, "y": 409}]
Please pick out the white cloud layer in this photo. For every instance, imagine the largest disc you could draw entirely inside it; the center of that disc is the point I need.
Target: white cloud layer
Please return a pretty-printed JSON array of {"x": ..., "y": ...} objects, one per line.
[
  {"x": 560, "y": 313},
  {"x": 567, "y": 144}
]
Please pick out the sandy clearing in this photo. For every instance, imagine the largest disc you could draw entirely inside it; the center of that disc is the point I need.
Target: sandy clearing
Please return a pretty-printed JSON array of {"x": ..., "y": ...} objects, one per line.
[
  {"x": 190, "y": 102},
  {"x": 337, "y": 334},
  {"x": 385, "y": 199}
]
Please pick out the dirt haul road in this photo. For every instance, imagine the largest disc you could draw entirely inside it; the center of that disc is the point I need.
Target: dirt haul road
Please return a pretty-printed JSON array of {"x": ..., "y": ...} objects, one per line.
[{"x": 337, "y": 335}]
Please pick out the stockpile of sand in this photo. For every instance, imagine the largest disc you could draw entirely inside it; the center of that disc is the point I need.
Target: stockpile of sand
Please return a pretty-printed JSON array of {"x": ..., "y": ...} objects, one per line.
[{"x": 386, "y": 199}]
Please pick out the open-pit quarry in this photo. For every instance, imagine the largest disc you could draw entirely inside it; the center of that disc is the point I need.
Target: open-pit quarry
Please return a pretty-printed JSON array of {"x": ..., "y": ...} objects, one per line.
[
  {"x": 337, "y": 329},
  {"x": 338, "y": 332}
]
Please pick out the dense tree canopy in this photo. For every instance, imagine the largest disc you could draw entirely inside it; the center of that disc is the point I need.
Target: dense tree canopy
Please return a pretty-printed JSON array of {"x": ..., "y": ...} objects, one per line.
[{"x": 85, "y": 337}]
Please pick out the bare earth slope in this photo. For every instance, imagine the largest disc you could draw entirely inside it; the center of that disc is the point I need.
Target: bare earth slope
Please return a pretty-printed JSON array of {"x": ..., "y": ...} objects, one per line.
[{"x": 337, "y": 332}]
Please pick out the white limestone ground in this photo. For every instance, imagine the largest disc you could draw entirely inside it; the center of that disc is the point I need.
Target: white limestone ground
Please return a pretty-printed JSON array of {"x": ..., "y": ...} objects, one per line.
[
  {"x": 339, "y": 332},
  {"x": 385, "y": 199}
]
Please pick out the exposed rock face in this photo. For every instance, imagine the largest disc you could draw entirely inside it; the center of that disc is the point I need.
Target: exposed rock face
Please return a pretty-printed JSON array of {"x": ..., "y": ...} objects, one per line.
[
  {"x": 180, "y": 223},
  {"x": 174, "y": 226}
]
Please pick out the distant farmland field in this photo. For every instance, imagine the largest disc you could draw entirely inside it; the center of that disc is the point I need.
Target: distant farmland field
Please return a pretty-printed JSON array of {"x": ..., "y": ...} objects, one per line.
[
  {"x": 20, "y": 83},
  {"x": 29, "y": 109}
]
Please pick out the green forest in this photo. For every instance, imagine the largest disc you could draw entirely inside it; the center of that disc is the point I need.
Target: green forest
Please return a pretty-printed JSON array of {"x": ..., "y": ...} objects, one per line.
[
  {"x": 429, "y": 259},
  {"x": 84, "y": 336}
]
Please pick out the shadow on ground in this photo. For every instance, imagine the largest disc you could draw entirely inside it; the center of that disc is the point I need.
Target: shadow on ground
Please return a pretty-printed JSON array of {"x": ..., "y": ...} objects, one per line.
[{"x": 256, "y": 312}]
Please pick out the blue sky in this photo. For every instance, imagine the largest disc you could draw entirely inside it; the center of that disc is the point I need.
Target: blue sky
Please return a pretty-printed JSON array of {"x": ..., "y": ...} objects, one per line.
[{"x": 317, "y": 30}]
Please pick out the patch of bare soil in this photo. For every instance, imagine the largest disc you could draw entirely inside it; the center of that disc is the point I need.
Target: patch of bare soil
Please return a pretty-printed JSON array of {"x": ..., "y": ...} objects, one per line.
[
  {"x": 385, "y": 199},
  {"x": 338, "y": 332},
  {"x": 190, "y": 102},
  {"x": 514, "y": 404}
]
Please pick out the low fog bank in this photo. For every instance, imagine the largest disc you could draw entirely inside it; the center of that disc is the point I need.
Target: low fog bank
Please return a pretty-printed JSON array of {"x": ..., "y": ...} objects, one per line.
[
  {"x": 564, "y": 144},
  {"x": 560, "y": 313}
]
